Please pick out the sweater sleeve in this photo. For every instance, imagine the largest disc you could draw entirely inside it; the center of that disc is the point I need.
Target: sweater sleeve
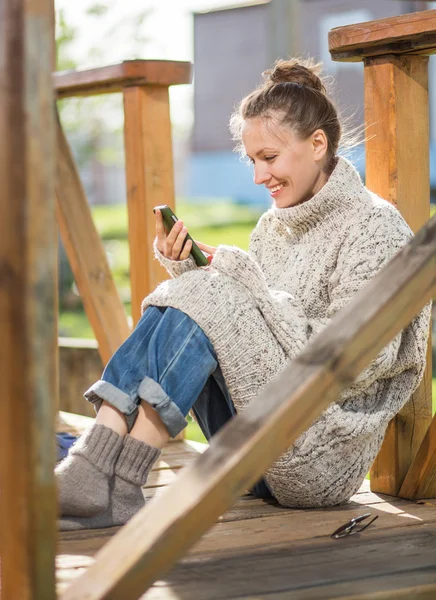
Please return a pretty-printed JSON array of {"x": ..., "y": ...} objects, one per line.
[
  {"x": 174, "y": 267},
  {"x": 283, "y": 313},
  {"x": 365, "y": 252}
]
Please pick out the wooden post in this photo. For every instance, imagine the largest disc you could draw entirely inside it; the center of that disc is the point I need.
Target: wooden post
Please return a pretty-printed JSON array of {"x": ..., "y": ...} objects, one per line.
[
  {"x": 150, "y": 181},
  {"x": 148, "y": 149},
  {"x": 420, "y": 481},
  {"x": 395, "y": 52},
  {"x": 397, "y": 163},
  {"x": 27, "y": 301},
  {"x": 242, "y": 450}
]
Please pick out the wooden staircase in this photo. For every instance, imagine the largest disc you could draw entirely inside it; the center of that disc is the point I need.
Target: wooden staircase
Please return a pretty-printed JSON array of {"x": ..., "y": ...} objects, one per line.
[{"x": 38, "y": 180}]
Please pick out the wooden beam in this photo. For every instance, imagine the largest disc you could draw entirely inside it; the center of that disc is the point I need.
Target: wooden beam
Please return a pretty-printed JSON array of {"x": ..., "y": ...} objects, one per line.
[
  {"x": 242, "y": 450},
  {"x": 411, "y": 33},
  {"x": 28, "y": 334},
  {"x": 114, "y": 78},
  {"x": 420, "y": 481},
  {"x": 397, "y": 168},
  {"x": 87, "y": 256},
  {"x": 149, "y": 179}
]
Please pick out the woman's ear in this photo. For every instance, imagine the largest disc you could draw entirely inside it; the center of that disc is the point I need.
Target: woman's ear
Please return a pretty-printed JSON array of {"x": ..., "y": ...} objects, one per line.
[{"x": 319, "y": 144}]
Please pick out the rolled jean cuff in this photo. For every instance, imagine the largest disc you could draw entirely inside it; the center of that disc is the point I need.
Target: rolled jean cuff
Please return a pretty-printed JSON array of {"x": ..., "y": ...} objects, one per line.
[
  {"x": 103, "y": 390},
  {"x": 152, "y": 392}
]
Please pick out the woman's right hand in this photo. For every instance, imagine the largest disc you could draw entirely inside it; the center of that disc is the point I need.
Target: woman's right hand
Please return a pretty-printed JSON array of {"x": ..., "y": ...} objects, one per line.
[{"x": 170, "y": 245}]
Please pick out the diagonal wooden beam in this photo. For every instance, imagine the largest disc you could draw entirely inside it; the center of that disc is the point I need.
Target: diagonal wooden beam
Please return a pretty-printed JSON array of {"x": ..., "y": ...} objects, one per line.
[
  {"x": 420, "y": 481},
  {"x": 238, "y": 455},
  {"x": 87, "y": 256},
  {"x": 28, "y": 242}
]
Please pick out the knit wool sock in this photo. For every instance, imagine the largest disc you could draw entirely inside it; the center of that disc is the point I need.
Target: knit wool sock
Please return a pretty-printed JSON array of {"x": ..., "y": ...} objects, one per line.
[
  {"x": 126, "y": 498},
  {"x": 83, "y": 476}
]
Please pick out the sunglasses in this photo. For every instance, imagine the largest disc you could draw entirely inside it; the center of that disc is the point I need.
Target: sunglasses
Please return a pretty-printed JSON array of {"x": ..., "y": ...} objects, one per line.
[{"x": 352, "y": 526}]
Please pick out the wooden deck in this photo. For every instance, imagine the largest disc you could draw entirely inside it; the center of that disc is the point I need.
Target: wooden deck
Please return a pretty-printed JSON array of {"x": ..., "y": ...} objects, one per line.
[{"x": 261, "y": 550}]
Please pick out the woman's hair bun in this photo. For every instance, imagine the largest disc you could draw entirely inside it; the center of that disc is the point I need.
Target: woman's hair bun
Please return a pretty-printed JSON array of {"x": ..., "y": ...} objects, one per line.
[{"x": 304, "y": 72}]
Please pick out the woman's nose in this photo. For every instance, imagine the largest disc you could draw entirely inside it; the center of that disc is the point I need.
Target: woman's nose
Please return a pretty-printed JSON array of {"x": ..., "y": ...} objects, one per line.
[{"x": 261, "y": 174}]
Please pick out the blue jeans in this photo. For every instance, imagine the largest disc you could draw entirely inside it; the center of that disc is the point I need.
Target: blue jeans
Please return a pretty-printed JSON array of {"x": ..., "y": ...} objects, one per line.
[{"x": 170, "y": 363}]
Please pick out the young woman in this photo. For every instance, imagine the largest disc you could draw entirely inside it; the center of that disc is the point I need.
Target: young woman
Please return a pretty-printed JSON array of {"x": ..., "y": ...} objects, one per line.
[{"x": 211, "y": 338}]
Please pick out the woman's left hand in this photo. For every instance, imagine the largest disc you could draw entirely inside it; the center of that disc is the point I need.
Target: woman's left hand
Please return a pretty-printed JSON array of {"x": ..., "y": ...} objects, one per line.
[{"x": 209, "y": 249}]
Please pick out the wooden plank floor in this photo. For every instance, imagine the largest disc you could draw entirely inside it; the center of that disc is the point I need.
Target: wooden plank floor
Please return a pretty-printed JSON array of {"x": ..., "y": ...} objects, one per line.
[{"x": 261, "y": 550}]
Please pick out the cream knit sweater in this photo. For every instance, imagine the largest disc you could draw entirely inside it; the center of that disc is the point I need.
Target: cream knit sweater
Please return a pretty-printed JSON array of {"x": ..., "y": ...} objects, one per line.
[{"x": 260, "y": 308}]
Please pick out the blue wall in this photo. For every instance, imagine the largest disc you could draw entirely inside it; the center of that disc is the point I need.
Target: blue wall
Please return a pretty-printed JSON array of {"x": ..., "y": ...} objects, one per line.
[{"x": 224, "y": 174}]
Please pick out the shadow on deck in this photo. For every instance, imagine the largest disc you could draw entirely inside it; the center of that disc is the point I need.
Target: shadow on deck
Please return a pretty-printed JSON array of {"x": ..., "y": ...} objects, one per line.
[{"x": 261, "y": 550}]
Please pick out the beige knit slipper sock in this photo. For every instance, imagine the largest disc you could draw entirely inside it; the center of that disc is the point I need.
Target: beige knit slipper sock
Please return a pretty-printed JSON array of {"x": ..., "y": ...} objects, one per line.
[
  {"x": 83, "y": 476},
  {"x": 126, "y": 498}
]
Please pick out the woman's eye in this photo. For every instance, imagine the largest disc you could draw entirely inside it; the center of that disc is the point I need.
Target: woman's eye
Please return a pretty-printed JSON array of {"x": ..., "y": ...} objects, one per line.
[{"x": 270, "y": 158}]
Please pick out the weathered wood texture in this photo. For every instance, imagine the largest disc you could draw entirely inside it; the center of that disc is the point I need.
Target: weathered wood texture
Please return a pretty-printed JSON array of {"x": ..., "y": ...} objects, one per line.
[
  {"x": 397, "y": 168},
  {"x": 86, "y": 255},
  {"x": 302, "y": 571},
  {"x": 27, "y": 301},
  {"x": 260, "y": 549},
  {"x": 80, "y": 366},
  {"x": 160, "y": 533},
  {"x": 411, "y": 33},
  {"x": 149, "y": 179},
  {"x": 115, "y": 78},
  {"x": 420, "y": 481}
]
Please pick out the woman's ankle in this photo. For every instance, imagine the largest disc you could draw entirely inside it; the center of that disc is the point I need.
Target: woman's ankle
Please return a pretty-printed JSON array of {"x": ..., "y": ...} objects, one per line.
[
  {"x": 111, "y": 417},
  {"x": 149, "y": 427}
]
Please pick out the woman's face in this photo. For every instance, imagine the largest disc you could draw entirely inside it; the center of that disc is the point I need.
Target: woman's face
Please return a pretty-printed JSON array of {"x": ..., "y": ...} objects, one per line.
[{"x": 292, "y": 170}]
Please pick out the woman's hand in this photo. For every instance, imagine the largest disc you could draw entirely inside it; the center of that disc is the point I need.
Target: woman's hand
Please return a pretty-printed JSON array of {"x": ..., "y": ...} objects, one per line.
[
  {"x": 171, "y": 245},
  {"x": 209, "y": 249}
]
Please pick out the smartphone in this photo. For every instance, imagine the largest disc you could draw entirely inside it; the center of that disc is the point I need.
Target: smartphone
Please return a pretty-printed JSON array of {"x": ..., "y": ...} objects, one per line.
[{"x": 169, "y": 219}]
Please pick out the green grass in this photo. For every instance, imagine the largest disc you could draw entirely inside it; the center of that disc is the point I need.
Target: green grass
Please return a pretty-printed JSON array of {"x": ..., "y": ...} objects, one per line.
[
  {"x": 193, "y": 432},
  {"x": 74, "y": 324},
  {"x": 111, "y": 221}
]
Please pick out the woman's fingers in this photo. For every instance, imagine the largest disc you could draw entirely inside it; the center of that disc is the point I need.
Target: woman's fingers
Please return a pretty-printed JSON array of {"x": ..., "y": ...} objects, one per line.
[
  {"x": 160, "y": 232},
  {"x": 171, "y": 244},
  {"x": 209, "y": 249},
  {"x": 175, "y": 248},
  {"x": 186, "y": 250}
]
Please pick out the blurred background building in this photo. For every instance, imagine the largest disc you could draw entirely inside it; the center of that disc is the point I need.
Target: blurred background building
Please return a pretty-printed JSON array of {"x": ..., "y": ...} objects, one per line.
[
  {"x": 234, "y": 45},
  {"x": 230, "y": 46}
]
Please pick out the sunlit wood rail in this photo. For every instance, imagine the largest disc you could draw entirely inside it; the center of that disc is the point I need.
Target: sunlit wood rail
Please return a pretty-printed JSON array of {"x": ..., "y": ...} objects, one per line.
[
  {"x": 413, "y": 33},
  {"x": 149, "y": 167},
  {"x": 395, "y": 55},
  {"x": 238, "y": 455}
]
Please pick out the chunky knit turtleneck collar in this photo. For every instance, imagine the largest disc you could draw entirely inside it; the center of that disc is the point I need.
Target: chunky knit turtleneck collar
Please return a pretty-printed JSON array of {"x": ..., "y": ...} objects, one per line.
[{"x": 332, "y": 203}]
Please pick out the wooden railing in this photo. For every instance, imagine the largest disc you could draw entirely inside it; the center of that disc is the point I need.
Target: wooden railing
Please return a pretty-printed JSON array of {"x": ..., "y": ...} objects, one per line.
[
  {"x": 244, "y": 449},
  {"x": 395, "y": 55},
  {"x": 149, "y": 179}
]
